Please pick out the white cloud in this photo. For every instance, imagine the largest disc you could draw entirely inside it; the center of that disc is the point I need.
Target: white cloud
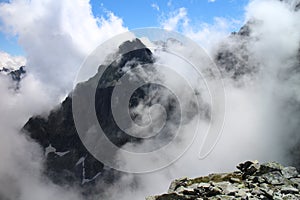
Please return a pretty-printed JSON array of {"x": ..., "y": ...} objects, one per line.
[
  {"x": 57, "y": 35},
  {"x": 21, "y": 161},
  {"x": 207, "y": 35},
  {"x": 261, "y": 114},
  {"x": 211, "y": 1},
  {"x": 11, "y": 62},
  {"x": 176, "y": 20},
  {"x": 155, "y": 6}
]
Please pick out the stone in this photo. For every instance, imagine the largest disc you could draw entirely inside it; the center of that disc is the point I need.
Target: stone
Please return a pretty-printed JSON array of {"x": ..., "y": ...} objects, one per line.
[
  {"x": 259, "y": 179},
  {"x": 296, "y": 182},
  {"x": 230, "y": 190},
  {"x": 267, "y": 192},
  {"x": 248, "y": 167},
  {"x": 269, "y": 167},
  {"x": 241, "y": 193},
  {"x": 204, "y": 185},
  {"x": 151, "y": 198},
  {"x": 272, "y": 181},
  {"x": 290, "y": 197},
  {"x": 180, "y": 189},
  {"x": 289, "y": 172},
  {"x": 189, "y": 191},
  {"x": 274, "y": 178},
  {"x": 176, "y": 183},
  {"x": 289, "y": 190},
  {"x": 256, "y": 191},
  {"x": 235, "y": 180}
]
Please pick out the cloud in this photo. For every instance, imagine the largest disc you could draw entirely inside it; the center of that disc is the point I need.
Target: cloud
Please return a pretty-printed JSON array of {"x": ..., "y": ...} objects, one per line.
[
  {"x": 262, "y": 106},
  {"x": 11, "y": 62},
  {"x": 211, "y": 1},
  {"x": 176, "y": 20},
  {"x": 155, "y": 6},
  {"x": 57, "y": 35},
  {"x": 207, "y": 35},
  {"x": 21, "y": 160}
]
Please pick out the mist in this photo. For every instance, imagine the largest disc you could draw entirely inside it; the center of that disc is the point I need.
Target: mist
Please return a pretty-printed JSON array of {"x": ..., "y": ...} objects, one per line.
[
  {"x": 262, "y": 96},
  {"x": 55, "y": 44}
]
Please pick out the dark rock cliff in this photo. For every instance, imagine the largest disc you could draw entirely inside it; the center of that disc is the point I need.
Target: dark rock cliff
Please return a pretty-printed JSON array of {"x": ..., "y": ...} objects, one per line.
[{"x": 67, "y": 159}]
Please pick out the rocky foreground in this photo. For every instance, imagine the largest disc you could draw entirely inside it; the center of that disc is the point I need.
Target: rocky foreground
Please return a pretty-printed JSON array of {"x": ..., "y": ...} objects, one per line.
[{"x": 252, "y": 181}]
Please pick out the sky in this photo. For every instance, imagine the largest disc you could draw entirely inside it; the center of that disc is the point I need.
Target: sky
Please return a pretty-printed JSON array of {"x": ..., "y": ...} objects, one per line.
[{"x": 149, "y": 13}]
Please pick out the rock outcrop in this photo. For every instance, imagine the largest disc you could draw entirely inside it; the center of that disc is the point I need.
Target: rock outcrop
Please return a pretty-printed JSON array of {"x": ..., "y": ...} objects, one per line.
[
  {"x": 67, "y": 161},
  {"x": 253, "y": 181},
  {"x": 15, "y": 74}
]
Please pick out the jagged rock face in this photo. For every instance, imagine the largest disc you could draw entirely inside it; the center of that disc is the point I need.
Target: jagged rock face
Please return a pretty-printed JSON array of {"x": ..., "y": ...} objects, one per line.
[
  {"x": 233, "y": 58},
  {"x": 236, "y": 62},
  {"x": 297, "y": 6},
  {"x": 293, "y": 107},
  {"x": 16, "y": 75},
  {"x": 253, "y": 181},
  {"x": 67, "y": 160}
]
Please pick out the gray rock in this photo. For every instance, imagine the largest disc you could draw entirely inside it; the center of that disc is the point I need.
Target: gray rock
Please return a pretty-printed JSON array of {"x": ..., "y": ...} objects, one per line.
[
  {"x": 289, "y": 172},
  {"x": 151, "y": 198},
  {"x": 290, "y": 197},
  {"x": 274, "y": 178},
  {"x": 254, "y": 181},
  {"x": 248, "y": 167},
  {"x": 269, "y": 167},
  {"x": 242, "y": 193},
  {"x": 176, "y": 184},
  {"x": 289, "y": 190},
  {"x": 235, "y": 180},
  {"x": 267, "y": 192},
  {"x": 204, "y": 185},
  {"x": 296, "y": 182}
]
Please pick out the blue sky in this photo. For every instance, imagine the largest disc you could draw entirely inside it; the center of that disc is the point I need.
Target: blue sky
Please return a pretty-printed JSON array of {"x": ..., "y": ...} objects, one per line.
[
  {"x": 150, "y": 13},
  {"x": 139, "y": 13}
]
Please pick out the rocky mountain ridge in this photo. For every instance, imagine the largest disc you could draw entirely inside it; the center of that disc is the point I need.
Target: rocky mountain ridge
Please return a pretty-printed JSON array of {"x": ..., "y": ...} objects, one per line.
[
  {"x": 67, "y": 159},
  {"x": 15, "y": 74},
  {"x": 253, "y": 181}
]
